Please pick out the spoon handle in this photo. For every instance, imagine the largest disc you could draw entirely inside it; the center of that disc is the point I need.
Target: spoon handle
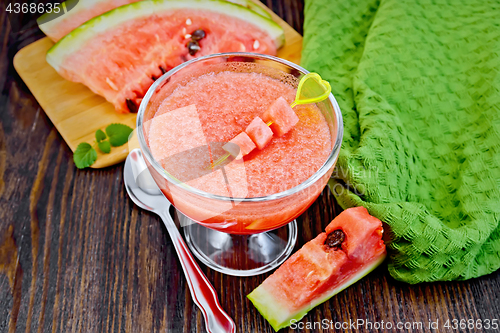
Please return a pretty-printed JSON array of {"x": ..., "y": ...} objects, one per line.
[{"x": 203, "y": 293}]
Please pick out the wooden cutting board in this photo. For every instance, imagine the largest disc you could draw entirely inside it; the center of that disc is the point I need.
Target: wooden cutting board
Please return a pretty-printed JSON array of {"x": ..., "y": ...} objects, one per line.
[{"x": 77, "y": 112}]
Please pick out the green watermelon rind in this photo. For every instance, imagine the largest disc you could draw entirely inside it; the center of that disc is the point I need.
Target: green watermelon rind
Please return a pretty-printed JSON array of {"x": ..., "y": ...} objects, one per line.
[
  {"x": 76, "y": 39},
  {"x": 267, "y": 305}
]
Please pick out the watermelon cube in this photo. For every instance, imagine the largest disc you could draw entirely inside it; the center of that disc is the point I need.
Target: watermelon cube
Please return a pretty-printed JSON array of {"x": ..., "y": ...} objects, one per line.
[
  {"x": 321, "y": 268},
  {"x": 259, "y": 132},
  {"x": 304, "y": 272},
  {"x": 282, "y": 116},
  {"x": 239, "y": 146}
]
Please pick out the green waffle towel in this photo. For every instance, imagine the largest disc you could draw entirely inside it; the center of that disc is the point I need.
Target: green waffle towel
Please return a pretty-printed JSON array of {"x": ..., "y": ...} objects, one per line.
[{"x": 418, "y": 84}]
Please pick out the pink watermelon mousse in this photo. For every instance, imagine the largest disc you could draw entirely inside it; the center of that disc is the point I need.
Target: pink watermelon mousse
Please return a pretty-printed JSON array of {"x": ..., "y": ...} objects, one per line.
[
  {"x": 350, "y": 248},
  {"x": 177, "y": 141},
  {"x": 226, "y": 103},
  {"x": 79, "y": 12}
]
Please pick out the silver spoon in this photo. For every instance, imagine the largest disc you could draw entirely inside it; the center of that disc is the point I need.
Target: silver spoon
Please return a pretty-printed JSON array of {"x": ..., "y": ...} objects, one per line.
[{"x": 145, "y": 193}]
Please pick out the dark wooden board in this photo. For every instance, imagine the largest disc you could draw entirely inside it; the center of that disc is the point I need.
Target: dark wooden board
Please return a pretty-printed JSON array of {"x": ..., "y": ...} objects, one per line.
[{"x": 77, "y": 256}]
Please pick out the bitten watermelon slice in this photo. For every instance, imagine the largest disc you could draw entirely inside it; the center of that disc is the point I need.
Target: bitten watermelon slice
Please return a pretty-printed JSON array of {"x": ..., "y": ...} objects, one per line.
[
  {"x": 119, "y": 54},
  {"x": 350, "y": 248}
]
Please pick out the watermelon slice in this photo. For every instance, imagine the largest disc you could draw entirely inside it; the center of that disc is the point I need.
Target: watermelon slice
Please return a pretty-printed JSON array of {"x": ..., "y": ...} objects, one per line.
[
  {"x": 119, "y": 54},
  {"x": 239, "y": 146},
  {"x": 259, "y": 132},
  {"x": 351, "y": 248},
  {"x": 282, "y": 116},
  {"x": 79, "y": 12}
]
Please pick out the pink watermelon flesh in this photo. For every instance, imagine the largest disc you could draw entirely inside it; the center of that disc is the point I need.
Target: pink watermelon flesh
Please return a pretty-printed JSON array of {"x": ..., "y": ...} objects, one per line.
[
  {"x": 123, "y": 63},
  {"x": 318, "y": 271},
  {"x": 282, "y": 116},
  {"x": 239, "y": 146},
  {"x": 259, "y": 132}
]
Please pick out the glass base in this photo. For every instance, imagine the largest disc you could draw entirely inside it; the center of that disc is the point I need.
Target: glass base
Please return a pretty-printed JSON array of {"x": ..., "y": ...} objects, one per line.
[{"x": 239, "y": 255}]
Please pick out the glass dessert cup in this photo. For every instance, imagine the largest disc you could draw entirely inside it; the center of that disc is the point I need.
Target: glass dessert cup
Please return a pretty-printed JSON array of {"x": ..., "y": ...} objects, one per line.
[{"x": 237, "y": 235}]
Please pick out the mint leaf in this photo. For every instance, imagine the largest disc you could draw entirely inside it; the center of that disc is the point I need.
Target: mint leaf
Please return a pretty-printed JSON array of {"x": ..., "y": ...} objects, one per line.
[
  {"x": 84, "y": 156},
  {"x": 104, "y": 146},
  {"x": 118, "y": 134},
  {"x": 100, "y": 136}
]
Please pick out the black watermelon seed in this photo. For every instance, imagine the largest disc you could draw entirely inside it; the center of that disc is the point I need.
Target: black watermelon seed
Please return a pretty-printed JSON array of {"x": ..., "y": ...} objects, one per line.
[
  {"x": 193, "y": 47},
  {"x": 131, "y": 105},
  {"x": 198, "y": 34},
  {"x": 335, "y": 239},
  {"x": 163, "y": 70}
]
